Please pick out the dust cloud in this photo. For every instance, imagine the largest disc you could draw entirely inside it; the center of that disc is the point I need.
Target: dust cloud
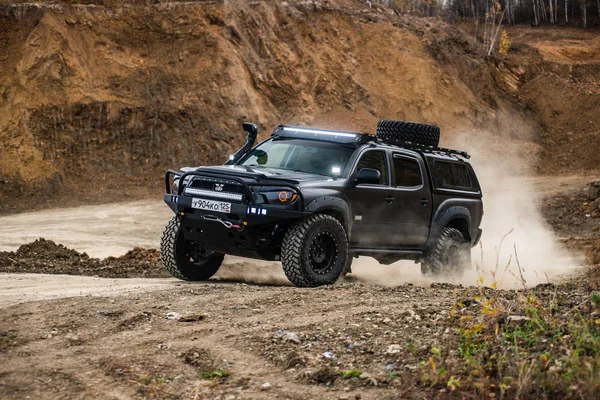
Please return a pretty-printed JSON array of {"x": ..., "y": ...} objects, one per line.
[
  {"x": 514, "y": 232},
  {"x": 257, "y": 272}
]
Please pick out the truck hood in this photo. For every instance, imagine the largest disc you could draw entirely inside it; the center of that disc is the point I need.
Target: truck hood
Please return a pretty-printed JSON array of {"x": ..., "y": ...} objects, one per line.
[{"x": 263, "y": 173}]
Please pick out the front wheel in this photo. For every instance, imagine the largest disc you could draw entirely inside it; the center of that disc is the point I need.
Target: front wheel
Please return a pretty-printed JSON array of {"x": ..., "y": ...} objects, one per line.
[
  {"x": 185, "y": 259},
  {"x": 450, "y": 255},
  {"x": 314, "y": 251}
]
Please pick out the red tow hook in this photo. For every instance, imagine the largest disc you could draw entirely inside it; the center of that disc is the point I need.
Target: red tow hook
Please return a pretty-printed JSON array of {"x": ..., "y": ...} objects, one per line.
[{"x": 226, "y": 224}]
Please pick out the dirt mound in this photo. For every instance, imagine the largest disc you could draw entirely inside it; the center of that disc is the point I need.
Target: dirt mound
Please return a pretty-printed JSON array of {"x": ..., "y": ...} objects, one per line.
[
  {"x": 46, "y": 257},
  {"x": 138, "y": 255},
  {"x": 48, "y": 250}
]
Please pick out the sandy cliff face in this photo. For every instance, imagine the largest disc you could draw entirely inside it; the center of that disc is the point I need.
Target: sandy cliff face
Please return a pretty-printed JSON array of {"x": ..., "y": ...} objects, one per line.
[{"x": 93, "y": 95}]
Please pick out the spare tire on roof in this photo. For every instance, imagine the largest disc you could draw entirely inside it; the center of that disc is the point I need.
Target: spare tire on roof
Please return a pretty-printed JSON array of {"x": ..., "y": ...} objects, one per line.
[{"x": 397, "y": 132}]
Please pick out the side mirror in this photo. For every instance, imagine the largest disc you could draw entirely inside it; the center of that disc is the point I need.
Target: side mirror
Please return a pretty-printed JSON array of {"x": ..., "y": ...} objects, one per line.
[{"x": 368, "y": 175}]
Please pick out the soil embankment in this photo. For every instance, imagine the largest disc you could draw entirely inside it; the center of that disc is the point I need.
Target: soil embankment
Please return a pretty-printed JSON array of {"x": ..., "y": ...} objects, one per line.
[{"x": 96, "y": 101}]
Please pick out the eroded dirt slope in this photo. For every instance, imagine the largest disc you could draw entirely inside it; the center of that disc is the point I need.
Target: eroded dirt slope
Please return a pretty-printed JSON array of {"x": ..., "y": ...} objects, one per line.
[
  {"x": 97, "y": 99},
  {"x": 559, "y": 80}
]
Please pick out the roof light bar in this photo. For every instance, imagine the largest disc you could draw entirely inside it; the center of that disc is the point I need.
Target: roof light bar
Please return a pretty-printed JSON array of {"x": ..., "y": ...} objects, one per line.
[{"x": 351, "y": 135}]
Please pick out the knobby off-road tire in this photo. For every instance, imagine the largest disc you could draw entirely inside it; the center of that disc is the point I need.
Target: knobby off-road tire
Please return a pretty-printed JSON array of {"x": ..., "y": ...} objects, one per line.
[
  {"x": 402, "y": 131},
  {"x": 175, "y": 252},
  {"x": 314, "y": 251},
  {"x": 450, "y": 255}
]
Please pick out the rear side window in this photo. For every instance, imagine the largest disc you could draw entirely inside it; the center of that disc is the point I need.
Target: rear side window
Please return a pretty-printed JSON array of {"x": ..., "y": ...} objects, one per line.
[
  {"x": 407, "y": 171},
  {"x": 449, "y": 175},
  {"x": 375, "y": 159},
  {"x": 461, "y": 176}
]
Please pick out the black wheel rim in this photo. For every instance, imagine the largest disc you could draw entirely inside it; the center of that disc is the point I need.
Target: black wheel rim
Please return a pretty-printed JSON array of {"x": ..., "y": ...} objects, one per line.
[
  {"x": 323, "y": 253},
  {"x": 190, "y": 252}
]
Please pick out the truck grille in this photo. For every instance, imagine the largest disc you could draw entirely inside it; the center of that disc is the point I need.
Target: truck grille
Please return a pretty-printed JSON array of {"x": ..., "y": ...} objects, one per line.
[{"x": 222, "y": 189}]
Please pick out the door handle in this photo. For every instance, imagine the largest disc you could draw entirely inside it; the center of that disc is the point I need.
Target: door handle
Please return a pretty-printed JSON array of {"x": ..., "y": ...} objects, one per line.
[
  {"x": 424, "y": 202},
  {"x": 389, "y": 199}
]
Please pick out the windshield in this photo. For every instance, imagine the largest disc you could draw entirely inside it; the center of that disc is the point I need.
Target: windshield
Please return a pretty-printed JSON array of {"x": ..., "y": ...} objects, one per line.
[{"x": 310, "y": 156}]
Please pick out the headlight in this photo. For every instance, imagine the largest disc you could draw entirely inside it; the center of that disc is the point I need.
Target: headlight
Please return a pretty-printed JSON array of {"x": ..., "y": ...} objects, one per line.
[{"x": 278, "y": 195}]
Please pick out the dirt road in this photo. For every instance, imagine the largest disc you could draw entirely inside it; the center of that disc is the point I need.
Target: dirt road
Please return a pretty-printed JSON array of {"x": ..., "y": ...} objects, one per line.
[
  {"x": 374, "y": 336},
  {"x": 23, "y": 288},
  {"x": 123, "y": 346},
  {"x": 238, "y": 341}
]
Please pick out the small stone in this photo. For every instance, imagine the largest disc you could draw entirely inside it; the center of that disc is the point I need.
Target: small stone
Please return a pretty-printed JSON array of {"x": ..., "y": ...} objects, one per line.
[
  {"x": 172, "y": 315},
  {"x": 291, "y": 337},
  {"x": 72, "y": 337},
  {"x": 191, "y": 318},
  {"x": 387, "y": 320},
  {"x": 517, "y": 318},
  {"x": 368, "y": 378},
  {"x": 265, "y": 386},
  {"x": 393, "y": 349},
  {"x": 329, "y": 355}
]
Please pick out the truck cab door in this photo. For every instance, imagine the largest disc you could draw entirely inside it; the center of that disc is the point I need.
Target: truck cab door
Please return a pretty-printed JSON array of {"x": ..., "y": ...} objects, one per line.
[
  {"x": 372, "y": 205},
  {"x": 413, "y": 201}
]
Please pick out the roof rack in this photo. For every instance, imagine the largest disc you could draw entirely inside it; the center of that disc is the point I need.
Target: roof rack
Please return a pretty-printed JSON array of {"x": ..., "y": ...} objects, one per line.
[{"x": 425, "y": 148}]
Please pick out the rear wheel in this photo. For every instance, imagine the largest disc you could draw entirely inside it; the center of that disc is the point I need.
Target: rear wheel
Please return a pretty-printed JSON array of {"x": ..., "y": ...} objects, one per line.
[
  {"x": 314, "y": 251},
  {"x": 450, "y": 256},
  {"x": 185, "y": 259}
]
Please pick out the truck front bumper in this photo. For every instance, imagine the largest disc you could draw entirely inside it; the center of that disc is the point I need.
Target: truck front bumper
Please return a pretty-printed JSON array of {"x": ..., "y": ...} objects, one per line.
[{"x": 248, "y": 230}]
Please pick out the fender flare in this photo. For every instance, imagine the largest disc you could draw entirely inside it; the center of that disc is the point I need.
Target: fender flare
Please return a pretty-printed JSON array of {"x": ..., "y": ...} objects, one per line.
[
  {"x": 442, "y": 217},
  {"x": 323, "y": 204}
]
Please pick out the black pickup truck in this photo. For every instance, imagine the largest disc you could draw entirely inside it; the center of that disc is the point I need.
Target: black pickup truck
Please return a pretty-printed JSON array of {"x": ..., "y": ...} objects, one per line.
[{"x": 314, "y": 199}]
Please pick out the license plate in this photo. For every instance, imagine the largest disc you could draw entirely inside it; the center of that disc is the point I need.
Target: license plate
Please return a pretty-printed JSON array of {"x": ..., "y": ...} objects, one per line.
[{"x": 210, "y": 205}]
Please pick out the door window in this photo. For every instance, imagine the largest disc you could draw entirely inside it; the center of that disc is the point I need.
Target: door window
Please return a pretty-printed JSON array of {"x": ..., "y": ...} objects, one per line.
[
  {"x": 375, "y": 159},
  {"x": 408, "y": 172}
]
